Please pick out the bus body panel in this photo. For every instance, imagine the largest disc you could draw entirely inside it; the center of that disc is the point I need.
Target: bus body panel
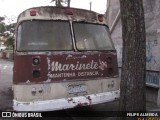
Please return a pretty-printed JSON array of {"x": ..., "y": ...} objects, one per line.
[
  {"x": 64, "y": 57},
  {"x": 58, "y": 90},
  {"x": 64, "y": 103},
  {"x": 64, "y": 66},
  {"x": 60, "y": 13}
]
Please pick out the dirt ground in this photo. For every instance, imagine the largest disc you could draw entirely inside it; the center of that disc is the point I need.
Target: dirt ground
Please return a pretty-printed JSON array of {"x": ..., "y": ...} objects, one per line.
[{"x": 6, "y": 93}]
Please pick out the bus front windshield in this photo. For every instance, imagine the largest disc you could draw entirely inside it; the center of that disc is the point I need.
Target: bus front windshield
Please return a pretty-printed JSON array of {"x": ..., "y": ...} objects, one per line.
[
  {"x": 44, "y": 35},
  {"x": 92, "y": 37}
]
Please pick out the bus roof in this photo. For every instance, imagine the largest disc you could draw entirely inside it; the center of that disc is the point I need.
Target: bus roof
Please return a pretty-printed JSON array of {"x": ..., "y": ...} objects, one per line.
[{"x": 61, "y": 13}]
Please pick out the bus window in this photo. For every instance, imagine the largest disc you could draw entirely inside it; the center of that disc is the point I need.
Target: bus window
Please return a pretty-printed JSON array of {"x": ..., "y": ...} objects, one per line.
[
  {"x": 92, "y": 37},
  {"x": 44, "y": 35}
]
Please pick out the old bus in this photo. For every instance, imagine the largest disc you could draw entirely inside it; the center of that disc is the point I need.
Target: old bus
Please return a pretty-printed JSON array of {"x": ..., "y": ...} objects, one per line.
[{"x": 64, "y": 57}]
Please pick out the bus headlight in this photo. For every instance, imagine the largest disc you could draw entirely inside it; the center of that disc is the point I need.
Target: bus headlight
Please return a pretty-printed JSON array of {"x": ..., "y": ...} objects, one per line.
[
  {"x": 109, "y": 60},
  {"x": 36, "y": 73},
  {"x": 110, "y": 70},
  {"x": 36, "y": 61}
]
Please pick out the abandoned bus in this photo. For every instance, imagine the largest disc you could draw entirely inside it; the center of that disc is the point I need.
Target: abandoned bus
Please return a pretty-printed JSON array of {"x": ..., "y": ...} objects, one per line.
[{"x": 64, "y": 57}]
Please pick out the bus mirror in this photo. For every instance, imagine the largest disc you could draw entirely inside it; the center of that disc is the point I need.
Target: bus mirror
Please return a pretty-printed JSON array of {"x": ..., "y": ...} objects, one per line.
[
  {"x": 36, "y": 61},
  {"x": 36, "y": 73}
]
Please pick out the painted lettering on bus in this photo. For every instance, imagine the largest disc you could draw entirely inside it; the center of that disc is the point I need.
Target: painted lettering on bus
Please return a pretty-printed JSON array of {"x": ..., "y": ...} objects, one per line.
[
  {"x": 73, "y": 74},
  {"x": 56, "y": 66}
]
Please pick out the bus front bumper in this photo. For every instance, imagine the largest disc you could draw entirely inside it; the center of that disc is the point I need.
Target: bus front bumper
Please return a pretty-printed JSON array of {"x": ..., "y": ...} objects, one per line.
[{"x": 64, "y": 103}]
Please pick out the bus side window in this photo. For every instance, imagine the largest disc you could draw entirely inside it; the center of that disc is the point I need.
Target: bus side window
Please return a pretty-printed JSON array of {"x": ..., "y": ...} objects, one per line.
[{"x": 19, "y": 36}]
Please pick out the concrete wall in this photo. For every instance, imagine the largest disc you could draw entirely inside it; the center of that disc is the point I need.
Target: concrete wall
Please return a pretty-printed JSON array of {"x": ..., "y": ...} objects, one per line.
[
  {"x": 116, "y": 34},
  {"x": 152, "y": 19},
  {"x": 152, "y": 23}
]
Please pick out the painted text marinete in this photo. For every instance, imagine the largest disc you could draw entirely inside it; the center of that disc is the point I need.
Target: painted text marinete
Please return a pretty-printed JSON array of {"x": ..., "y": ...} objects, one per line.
[{"x": 56, "y": 66}]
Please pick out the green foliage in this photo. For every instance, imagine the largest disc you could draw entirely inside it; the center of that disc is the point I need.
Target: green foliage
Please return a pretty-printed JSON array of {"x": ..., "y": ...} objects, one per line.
[
  {"x": 57, "y": 2},
  {"x": 2, "y": 19},
  {"x": 9, "y": 42},
  {"x": 10, "y": 27},
  {"x": 2, "y": 27},
  {"x": 60, "y": 3},
  {"x": 7, "y": 33}
]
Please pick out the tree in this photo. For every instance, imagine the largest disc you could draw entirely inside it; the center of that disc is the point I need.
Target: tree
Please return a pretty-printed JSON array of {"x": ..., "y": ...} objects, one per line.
[
  {"x": 7, "y": 33},
  {"x": 9, "y": 42},
  {"x": 68, "y": 3},
  {"x": 132, "y": 96},
  {"x": 60, "y": 2},
  {"x": 2, "y": 25},
  {"x": 11, "y": 27},
  {"x": 2, "y": 19},
  {"x": 10, "y": 37}
]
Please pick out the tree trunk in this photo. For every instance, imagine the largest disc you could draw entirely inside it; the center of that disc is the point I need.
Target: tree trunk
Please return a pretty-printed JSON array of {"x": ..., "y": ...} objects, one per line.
[
  {"x": 69, "y": 1},
  {"x": 58, "y": 3},
  {"x": 132, "y": 96}
]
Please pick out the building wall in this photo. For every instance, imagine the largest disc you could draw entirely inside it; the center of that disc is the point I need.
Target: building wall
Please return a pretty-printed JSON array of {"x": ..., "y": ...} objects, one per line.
[
  {"x": 152, "y": 24},
  {"x": 113, "y": 8}
]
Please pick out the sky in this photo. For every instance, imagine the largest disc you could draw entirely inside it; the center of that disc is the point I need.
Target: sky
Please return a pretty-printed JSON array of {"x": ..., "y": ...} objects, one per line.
[{"x": 12, "y": 8}]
